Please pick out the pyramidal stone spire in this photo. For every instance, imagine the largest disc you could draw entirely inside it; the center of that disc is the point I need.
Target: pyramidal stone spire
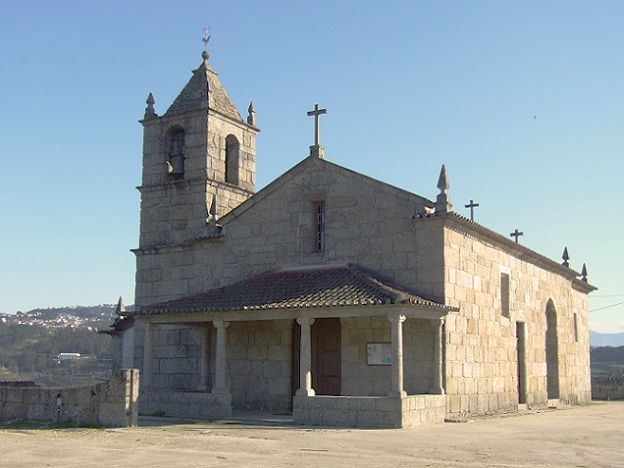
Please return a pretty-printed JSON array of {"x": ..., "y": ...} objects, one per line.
[
  {"x": 204, "y": 91},
  {"x": 443, "y": 200},
  {"x": 565, "y": 257},
  {"x": 149, "y": 110},
  {"x": 584, "y": 273},
  {"x": 121, "y": 308}
]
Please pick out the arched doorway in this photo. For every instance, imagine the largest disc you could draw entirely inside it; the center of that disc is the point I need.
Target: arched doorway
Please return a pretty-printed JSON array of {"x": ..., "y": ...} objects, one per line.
[{"x": 552, "y": 352}]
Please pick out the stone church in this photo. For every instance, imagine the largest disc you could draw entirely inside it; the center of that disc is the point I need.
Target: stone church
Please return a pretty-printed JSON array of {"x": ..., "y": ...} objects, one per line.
[{"x": 328, "y": 294}]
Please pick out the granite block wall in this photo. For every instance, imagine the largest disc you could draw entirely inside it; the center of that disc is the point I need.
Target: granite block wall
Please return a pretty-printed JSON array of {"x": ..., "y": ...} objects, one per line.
[
  {"x": 111, "y": 403},
  {"x": 259, "y": 365},
  {"x": 373, "y": 412},
  {"x": 359, "y": 378},
  {"x": 481, "y": 352}
]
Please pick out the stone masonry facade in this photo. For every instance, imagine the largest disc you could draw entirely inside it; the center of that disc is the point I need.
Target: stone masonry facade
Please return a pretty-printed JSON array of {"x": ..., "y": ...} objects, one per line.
[
  {"x": 481, "y": 353},
  {"x": 498, "y": 349},
  {"x": 438, "y": 256}
]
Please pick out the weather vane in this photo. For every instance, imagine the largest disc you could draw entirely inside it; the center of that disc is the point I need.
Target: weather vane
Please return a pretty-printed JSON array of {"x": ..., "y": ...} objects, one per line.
[{"x": 206, "y": 37}]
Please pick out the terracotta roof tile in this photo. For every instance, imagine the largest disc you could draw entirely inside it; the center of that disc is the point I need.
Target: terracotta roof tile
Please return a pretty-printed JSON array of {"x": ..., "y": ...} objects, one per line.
[{"x": 306, "y": 287}]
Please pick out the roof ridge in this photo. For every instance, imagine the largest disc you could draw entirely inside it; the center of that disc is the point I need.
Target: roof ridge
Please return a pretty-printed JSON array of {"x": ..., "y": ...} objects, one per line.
[{"x": 371, "y": 281}]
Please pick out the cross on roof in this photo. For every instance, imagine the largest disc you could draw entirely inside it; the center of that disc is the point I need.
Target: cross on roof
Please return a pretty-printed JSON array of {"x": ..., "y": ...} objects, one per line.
[
  {"x": 472, "y": 205},
  {"x": 317, "y": 112},
  {"x": 516, "y": 234}
]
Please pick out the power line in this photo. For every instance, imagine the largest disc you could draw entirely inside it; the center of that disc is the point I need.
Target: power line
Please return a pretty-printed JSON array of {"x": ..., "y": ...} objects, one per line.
[
  {"x": 608, "y": 295},
  {"x": 607, "y": 307}
]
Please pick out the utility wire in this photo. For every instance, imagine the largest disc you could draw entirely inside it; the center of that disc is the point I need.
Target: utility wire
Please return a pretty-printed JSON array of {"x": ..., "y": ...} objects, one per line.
[
  {"x": 606, "y": 307},
  {"x": 608, "y": 295}
]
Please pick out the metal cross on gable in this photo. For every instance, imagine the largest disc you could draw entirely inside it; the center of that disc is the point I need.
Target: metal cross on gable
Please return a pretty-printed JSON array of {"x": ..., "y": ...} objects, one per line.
[
  {"x": 317, "y": 112},
  {"x": 472, "y": 205},
  {"x": 516, "y": 234}
]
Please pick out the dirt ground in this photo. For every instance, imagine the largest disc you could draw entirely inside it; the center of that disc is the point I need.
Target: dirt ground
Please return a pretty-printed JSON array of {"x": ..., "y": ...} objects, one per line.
[{"x": 589, "y": 436}]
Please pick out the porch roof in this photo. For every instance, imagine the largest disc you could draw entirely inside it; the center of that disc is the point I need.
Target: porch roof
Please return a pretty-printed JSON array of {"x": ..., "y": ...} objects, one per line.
[{"x": 299, "y": 288}]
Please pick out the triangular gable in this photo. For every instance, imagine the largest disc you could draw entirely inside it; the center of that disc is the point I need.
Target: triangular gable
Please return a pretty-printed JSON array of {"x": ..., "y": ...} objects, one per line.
[{"x": 311, "y": 163}]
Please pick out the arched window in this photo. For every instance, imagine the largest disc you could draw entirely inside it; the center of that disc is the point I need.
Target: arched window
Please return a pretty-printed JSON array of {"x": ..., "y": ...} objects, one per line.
[
  {"x": 231, "y": 159},
  {"x": 175, "y": 156}
]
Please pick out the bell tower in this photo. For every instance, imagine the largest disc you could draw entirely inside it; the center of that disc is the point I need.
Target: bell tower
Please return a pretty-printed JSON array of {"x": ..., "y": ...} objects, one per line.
[{"x": 199, "y": 154}]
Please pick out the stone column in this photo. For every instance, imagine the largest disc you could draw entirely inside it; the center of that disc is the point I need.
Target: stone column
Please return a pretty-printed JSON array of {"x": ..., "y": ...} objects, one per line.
[
  {"x": 396, "y": 324},
  {"x": 203, "y": 359},
  {"x": 220, "y": 358},
  {"x": 148, "y": 354},
  {"x": 437, "y": 386},
  {"x": 305, "y": 358}
]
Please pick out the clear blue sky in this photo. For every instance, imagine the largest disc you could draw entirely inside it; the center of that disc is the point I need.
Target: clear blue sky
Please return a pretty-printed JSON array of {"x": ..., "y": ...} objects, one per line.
[{"x": 523, "y": 101}]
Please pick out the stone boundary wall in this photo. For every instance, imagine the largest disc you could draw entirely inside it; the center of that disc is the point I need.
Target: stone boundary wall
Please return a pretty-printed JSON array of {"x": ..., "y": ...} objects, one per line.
[
  {"x": 608, "y": 391},
  {"x": 111, "y": 403},
  {"x": 199, "y": 405},
  {"x": 371, "y": 412}
]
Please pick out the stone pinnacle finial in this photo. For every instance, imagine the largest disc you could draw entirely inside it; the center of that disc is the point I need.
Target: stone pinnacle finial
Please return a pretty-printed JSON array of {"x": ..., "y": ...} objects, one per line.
[
  {"x": 121, "y": 308},
  {"x": 584, "y": 273},
  {"x": 443, "y": 184},
  {"x": 214, "y": 228},
  {"x": 212, "y": 211},
  {"x": 149, "y": 110},
  {"x": 251, "y": 115},
  {"x": 565, "y": 257},
  {"x": 443, "y": 201}
]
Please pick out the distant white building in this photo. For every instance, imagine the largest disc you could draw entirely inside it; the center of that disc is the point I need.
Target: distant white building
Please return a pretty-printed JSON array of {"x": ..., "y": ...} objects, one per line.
[{"x": 68, "y": 356}]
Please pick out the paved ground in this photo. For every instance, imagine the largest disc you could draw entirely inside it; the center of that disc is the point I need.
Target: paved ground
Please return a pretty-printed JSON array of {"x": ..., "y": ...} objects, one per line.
[{"x": 590, "y": 436}]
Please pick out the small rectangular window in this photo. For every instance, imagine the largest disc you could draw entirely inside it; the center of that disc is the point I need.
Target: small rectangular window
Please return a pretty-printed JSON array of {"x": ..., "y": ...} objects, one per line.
[
  {"x": 319, "y": 220},
  {"x": 575, "y": 324},
  {"x": 505, "y": 295}
]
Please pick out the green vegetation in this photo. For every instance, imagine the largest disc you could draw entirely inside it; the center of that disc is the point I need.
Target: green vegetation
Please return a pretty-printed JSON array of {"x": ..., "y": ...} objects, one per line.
[{"x": 29, "y": 350}]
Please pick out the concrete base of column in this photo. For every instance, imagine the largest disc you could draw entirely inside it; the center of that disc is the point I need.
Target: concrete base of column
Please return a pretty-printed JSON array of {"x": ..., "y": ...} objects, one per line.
[
  {"x": 305, "y": 392},
  {"x": 395, "y": 394}
]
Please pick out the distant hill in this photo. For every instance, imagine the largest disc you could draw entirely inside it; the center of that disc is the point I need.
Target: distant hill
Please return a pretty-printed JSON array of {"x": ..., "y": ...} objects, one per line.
[
  {"x": 606, "y": 339},
  {"x": 30, "y": 343}
]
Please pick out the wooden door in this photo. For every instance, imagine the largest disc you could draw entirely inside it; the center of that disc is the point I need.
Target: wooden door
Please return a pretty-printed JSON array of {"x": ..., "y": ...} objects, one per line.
[{"x": 326, "y": 356}]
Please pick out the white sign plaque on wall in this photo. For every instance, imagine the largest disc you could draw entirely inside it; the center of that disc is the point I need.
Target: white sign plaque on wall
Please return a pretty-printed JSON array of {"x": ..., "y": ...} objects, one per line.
[{"x": 379, "y": 354}]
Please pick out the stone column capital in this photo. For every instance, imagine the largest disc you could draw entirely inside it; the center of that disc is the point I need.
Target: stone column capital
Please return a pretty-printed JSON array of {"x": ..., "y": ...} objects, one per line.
[
  {"x": 305, "y": 321},
  {"x": 394, "y": 317},
  {"x": 220, "y": 324}
]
